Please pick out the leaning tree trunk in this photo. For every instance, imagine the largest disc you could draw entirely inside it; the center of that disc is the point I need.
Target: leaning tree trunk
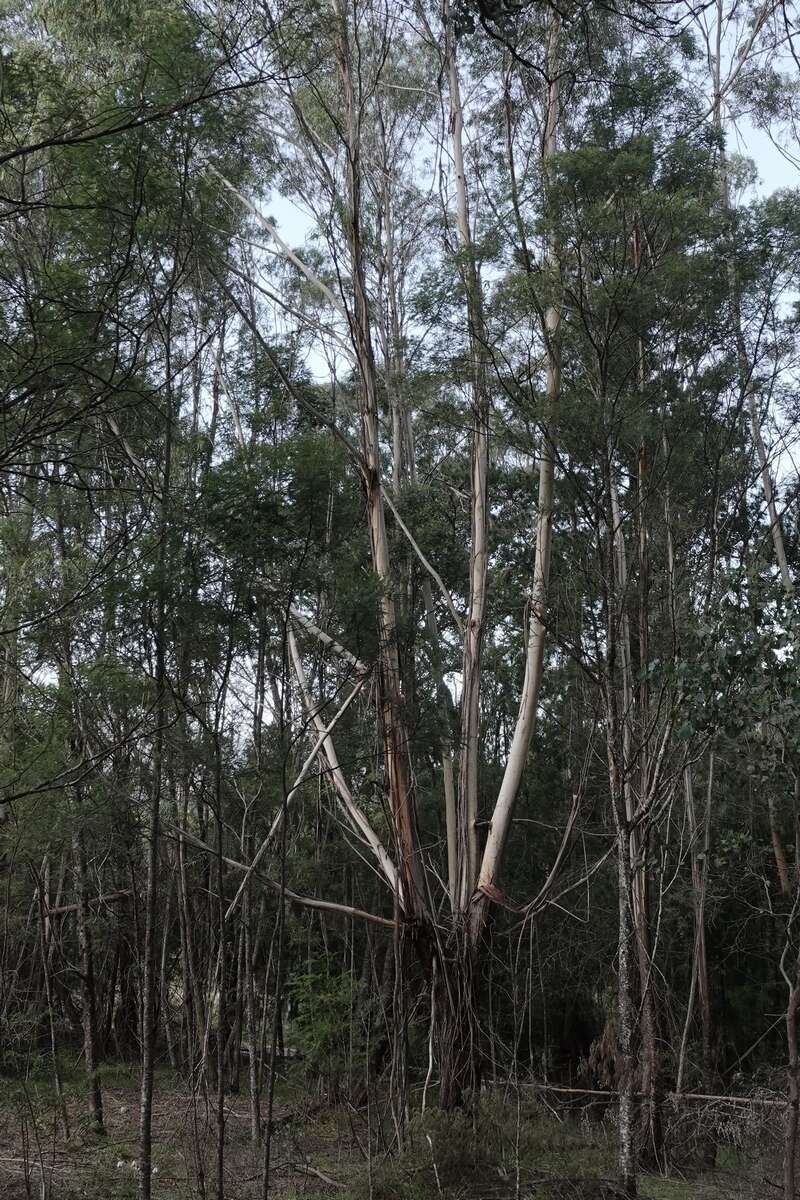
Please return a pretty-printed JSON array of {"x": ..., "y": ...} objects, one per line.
[{"x": 500, "y": 824}]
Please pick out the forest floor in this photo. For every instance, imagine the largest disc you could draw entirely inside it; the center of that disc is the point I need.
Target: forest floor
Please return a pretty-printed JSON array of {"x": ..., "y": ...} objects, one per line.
[{"x": 319, "y": 1151}]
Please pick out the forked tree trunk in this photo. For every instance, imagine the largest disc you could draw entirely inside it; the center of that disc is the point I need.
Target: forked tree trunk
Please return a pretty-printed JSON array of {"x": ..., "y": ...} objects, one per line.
[{"x": 398, "y": 783}]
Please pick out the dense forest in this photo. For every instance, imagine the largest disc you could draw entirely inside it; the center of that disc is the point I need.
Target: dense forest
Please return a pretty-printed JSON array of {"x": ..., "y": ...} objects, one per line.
[{"x": 399, "y": 612}]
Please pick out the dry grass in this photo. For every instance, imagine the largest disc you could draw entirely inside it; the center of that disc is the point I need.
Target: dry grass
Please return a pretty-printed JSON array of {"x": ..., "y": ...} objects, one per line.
[{"x": 546, "y": 1158}]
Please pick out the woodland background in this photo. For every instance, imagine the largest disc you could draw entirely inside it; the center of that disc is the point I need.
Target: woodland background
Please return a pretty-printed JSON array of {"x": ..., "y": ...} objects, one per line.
[{"x": 399, "y": 634}]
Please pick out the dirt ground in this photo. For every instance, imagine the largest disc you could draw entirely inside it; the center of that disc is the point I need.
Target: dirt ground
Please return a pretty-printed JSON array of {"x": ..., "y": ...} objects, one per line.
[{"x": 518, "y": 1154}]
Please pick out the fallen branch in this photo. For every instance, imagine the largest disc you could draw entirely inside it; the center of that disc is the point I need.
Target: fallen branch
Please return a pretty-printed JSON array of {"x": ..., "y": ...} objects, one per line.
[
  {"x": 434, "y": 574},
  {"x": 758, "y": 1101},
  {"x": 309, "y": 1170},
  {"x": 111, "y": 898}
]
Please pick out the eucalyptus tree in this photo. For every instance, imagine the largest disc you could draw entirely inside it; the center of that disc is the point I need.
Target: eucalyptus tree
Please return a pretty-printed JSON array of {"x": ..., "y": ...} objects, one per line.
[
  {"x": 414, "y": 513},
  {"x": 338, "y": 121}
]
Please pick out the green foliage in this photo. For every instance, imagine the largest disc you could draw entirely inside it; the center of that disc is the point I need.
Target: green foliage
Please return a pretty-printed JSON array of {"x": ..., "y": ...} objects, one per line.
[{"x": 328, "y": 1021}]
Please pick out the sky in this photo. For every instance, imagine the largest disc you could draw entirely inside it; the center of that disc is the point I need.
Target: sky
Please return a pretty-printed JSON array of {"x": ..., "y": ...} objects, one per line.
[{"x": 775, "y": 169}]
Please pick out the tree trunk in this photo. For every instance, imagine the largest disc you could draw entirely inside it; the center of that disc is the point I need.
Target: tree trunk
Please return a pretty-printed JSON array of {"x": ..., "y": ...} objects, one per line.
[
  {"x": 399, "y": 786},
  {"x": 534, "y": 661},
  {"x": 469, "y": 766},
  {"x": 149, "y": 948},
  {"x": 456, "y": 982},
  {"x": 792, "y": 1119},
  {"x": 626, "y": 1019},
  {"x": 86, "y": 959}
]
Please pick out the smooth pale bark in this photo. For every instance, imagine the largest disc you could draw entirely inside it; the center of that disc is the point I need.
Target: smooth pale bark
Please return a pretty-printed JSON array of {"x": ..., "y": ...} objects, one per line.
[
  {"x": 651, "y": 1124},
  {"x": 469, "y": 766},
  {"x": 328, "y": 641},
  {"x": 626, "y": 1020},
  {"x": 445, "y": 744},
  {"x": 286, "y": 250},
  {"x": 434, "y": 574},
  {"x": 534, "y": 659},
  {"x": 699, "y": 988},
  {"x": 523, "y": 730},
  {"x": 322, "y": 735},
  {"x": 346, "y": 910},
  {"x": 325, "y": 748}
]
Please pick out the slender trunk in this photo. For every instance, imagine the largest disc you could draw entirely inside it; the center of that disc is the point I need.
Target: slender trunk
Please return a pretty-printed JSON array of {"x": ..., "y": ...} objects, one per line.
[
  {"x": 164, "y": 989},
  {"x": 626, "y": 1008},
  {"x": 700, "y": 984},
  {"x": 534, "y": 661},
  {"x": 399, "y": 784},
  {"x": 276, "y": 1032},
  {"x": 469, "y": 766},
  {"x": 699, "y": 987},
  {"x": 44, "y": 943},
  {"x": 86, "y": 959},
  {"x": 222, "y": 973},
  {"x": 251, "y": 1028},
  {"x": 626, "y": 1015},
  {"x": 149, "y": 965},
  {"x": 618, "y": 765},
  {"x": 792, "y": 1119}
]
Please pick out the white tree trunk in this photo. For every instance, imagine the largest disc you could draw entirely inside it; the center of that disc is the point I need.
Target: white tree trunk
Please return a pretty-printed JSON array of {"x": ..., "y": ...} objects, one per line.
[{"x": 534, "y": 661}]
